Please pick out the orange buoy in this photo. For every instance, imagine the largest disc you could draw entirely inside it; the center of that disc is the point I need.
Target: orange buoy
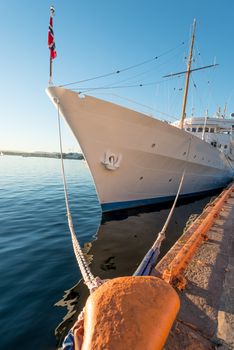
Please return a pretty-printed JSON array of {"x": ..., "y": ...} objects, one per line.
[{"x": 130, "y": 313}]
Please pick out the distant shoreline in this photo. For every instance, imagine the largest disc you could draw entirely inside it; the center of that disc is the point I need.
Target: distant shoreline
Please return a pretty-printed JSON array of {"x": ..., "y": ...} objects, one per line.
[{"x": 70, "y": 155}]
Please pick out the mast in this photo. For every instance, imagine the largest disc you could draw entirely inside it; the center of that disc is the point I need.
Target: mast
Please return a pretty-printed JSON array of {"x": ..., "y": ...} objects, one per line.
[{"x": 183, "y": 115}]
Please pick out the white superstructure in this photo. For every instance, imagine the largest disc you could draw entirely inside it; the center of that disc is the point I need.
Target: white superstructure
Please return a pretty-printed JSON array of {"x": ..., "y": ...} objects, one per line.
[
  {"x": 215, "y": 130},
  {"x": 136, "y": 160}
]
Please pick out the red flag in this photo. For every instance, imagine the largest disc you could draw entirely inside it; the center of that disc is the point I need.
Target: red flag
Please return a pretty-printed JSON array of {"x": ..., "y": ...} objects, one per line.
[{"x": 51, "y": 42}]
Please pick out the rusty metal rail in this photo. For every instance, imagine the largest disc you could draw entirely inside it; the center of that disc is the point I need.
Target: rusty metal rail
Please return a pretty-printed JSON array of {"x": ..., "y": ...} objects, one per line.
[{"x": 173, "y": 274}]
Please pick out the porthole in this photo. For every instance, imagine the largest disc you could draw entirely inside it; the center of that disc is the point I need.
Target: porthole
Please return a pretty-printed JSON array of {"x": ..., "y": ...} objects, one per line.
[
  {"x": 141, "y": 178},
  {"x": 170, "y": 180},
  {"x": 213, "y": 143},
  {"x": 153, "y": 145}
]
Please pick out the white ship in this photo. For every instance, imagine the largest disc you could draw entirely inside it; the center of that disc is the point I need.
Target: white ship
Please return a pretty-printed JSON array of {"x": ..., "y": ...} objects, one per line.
[{"x": 137, "y": 160}]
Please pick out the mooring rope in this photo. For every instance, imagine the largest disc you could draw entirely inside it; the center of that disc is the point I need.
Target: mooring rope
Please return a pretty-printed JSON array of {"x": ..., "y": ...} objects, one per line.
[
  {"x": 91, "y": 281},
  {"x": 151, "y": 256}
]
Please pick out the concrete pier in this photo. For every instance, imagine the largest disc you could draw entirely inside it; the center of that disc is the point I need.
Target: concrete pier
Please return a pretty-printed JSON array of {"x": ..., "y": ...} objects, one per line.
[{"x": 206, "y": 317}]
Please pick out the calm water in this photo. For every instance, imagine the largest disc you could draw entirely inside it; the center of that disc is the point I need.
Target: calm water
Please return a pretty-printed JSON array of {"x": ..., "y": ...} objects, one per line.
[{"x": 37, "y": 260}]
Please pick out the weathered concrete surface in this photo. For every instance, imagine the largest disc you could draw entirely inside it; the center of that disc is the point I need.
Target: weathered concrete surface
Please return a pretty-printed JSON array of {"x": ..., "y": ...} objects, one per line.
[{"x": 206, "y": 318}]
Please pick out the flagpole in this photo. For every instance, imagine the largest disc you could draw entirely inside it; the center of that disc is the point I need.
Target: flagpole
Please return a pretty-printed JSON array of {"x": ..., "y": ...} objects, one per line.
[{"x": 50, "y": 81}]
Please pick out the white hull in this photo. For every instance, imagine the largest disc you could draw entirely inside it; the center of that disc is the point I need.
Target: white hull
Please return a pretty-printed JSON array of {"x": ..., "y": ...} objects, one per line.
[{"x": 147, "y": 156}]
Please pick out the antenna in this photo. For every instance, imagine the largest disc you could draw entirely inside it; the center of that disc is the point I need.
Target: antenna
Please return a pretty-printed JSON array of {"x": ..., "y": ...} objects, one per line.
[{"x": 225, "y": 110}]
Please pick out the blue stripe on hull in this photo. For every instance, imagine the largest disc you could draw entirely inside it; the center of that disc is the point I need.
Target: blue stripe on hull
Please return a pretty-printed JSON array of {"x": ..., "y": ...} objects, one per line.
[{"x": 107, "y": 207}]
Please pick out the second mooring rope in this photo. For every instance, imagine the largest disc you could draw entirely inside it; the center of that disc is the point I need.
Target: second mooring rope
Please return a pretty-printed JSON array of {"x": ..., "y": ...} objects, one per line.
[{"x": 151, "y": 256}]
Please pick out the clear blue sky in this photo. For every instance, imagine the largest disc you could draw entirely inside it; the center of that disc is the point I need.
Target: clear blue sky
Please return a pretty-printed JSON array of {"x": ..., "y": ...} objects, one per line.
[{"x": 96, "y": 37}]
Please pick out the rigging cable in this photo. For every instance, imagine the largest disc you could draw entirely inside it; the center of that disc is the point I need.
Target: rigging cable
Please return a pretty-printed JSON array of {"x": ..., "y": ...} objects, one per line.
[
  {"x": 83, "y": 90},
  {"x": 207, "y": 77},
  {"x": 145, "y": 71},
  {"x": 124, "y": 69}
]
